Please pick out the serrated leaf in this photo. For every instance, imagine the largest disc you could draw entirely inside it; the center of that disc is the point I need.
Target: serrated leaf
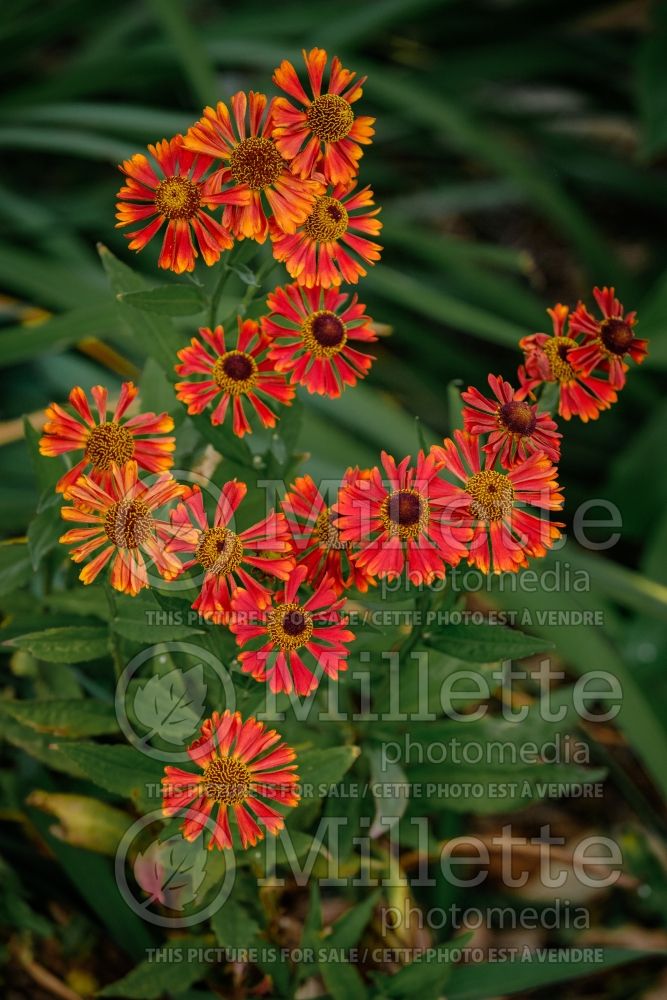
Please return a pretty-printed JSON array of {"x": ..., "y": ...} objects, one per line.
[
  {"x": 171, "y": 706},
  {"x": 65, "y": 645},
  {"x": 485, "y": 643},
  {"x": 321, "y": 768},
  {"x": 72, "y": 717},
  {"x": 168, "y": 300},
  {"x": 121, "y": 770},
  {"x": 233, "y": 926},
  {"x": 171, "y": 871}
]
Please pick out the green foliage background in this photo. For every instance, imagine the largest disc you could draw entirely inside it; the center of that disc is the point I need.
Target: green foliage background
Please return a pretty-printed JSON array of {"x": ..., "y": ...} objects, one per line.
[{"x": 519, "y": 159}]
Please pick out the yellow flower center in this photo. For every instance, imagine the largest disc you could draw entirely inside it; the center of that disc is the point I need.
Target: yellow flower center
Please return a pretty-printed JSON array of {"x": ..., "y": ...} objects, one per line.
[
  {"x": 327, "y": 221},
  {"x": 235, "y": 372},
  {"x": 324, "y": 334},
  {"x": 289, "y": 626},
  {"x": 128, "y": 523},
  {"x": 517, "y": 417},
  {"x": 227, "y": 780},
  {"x": 219, "y": 551},
  {"x": 107, "y": 443},
  {"x": 256, "y": 162},
  {"x": 556, "y": 349},
  {"x": 328, "y": 534},
  {"x": 492, "y": 495},
  {"x": 405, "y": 513},
  {"x": 177, "y": 198},
  {"x": 330, "y": 117},
  {"x": 616, "y": 336}
]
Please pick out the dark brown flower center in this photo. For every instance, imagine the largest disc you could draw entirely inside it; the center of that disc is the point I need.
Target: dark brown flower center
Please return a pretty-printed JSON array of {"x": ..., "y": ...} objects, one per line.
[
  {"x": 324, "y": 334},
  {"x": 256, "y": 162},
  {"x": 405, "y": 513},
  {"x": 108, "y": 443},
  {"x": 327, "y": 221},
  {"x": 128, "y": 523},
  {"x": 219, "y": 551},
  {"x": 177, "y": 198},
  {"x": 518, "y": 417},
  {"x": 616, "y": 335},
  {"x": 556, "y": 350},
  {"x": 235, "y": 372},
  {"x": 290, "y": 626},
  {"x": 227, "y": 780},
  {"x": 492, "y": 495},
  {"x": 330, "y": 117}
]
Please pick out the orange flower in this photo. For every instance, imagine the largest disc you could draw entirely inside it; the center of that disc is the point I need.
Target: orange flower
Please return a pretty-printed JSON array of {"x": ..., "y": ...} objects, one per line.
[
  {"x": 323, "y": 134},
  {"x": 607, "y": 341},
  {"x": 238, "y": 774},
  {"x": 121, "y": 519},
  {"x": 318, "y": 253},
  {"x": 254, "y": 167},
  {"x": 175, "y": 194},
  {"x": 109, "y": 441}
]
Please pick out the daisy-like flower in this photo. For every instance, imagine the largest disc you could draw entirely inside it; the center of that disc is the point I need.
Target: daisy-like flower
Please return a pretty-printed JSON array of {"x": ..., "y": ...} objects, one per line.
[
  {"x": 106, "y": 442},
  {"x": 231, "y": 373},
  {"x": 549, "y": 358},
  {"x": 504, "y": 534},
  {"x": 172, "y": 190},
  {"x": 317, "y": 540},
  {"x": 607, "y": 341},
  {"x": 514, "y": 426},
  {"x": 311, "y": 331},
  {"x": 226, "y": 556},
  {"x": 402, "y": 521},
  {"x": 323, "y": 134},
  {"x": 318, "y": 253},
  {"x": 242, "y": 765},
  {"x": 121, "y": 524},
  {"x": 287, "y": 626},
  {"x": 253, "y": 165}
]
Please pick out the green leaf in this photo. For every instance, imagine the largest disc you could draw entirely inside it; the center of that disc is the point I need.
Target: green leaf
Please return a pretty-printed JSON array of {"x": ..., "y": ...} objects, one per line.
[
  {"x": 43, "y": 533},
  {"x": 171, "y": 704},
  {"x": 653, "y": 81},
  {"x": 233, "y": 926},
  {"x": 168, "y": 300},
  {"x": 121, "y": 770},
  {"x": 423, "y": 978},
  {"x": 76, "y": 644},
  {"x": 343, "y": 981},
  {"x": 71, "y": 717},
  {"x": 15, "y": 566},
  {"x": 21, "y": 343},
  {"x": 485, "y": 643},
  {"x": 153, "y": 979},
  {"x": 347, "y": 930},
  {"x": 320, "y": 768},
  {"x": 391, "y": 792},
  {"x": 171, "y": 871}
]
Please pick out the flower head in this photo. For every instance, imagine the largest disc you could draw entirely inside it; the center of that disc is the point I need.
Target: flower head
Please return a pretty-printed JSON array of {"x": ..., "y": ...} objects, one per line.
[
  {"x": 549, "y": 358},
  {"x": 288, "y": 628},
  {"x": 318, "y": 253},
  {"x": 401, "y": 521},
  {"x": 253, "y": 165},
  {"x": 242, "y": 765},
  {"x": 504, "y": 534},
  {"x": 231, "y": 373},
  {"x": 227, "y": 557},
  {"x": 514, "y": 426},
  {"x": 317, "y": 540},
  {"x": 323, "y": 134},
  {"x": 121, "y": 524},
  {"x": 171, "y": 189},
  {"x": 607, "y": 341},
  {"x": 311, "y": 332},
  {"x": 106, "y": 442}
]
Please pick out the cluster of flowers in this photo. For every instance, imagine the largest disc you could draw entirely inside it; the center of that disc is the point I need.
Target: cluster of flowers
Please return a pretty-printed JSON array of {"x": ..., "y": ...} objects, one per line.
[{"x": 483, "y": 495}]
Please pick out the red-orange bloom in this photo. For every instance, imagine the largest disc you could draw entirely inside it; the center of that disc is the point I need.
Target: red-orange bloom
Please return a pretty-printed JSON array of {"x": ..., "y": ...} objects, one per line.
[
  {"x": 504, "y": 535},
  {"x": 120, "y": 521},
  {"x": 172, "y": 190},
  {"x": 323, "y": 134},
  {"x": 318, "y": 253},
  {"x": 243, "y": 764},
  {"x": 311, "y": 330},
  {"x": 232, "y": 374},
  {"x": 314, "y": 626},
  {"x": 253, "y": 164},
  {"x": 402, "y": 521},
  {"x": 515, "y": 428},
  {"x": 316, "y": 539},
  {"x": 225, "y": 555},
  {"x": 549, "y": 358},
  {"x": 608, "y": 340},
  {"x": 105, "y": 442}
]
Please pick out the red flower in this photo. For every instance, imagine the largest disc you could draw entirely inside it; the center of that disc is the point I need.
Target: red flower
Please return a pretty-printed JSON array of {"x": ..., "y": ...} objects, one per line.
[
  {"x": 316, "y": 626},
  {"x": 503, "y": 534},
  {"x": 606, "y": 340},
  {"x": 324, "y": 134},
  {"x": 317, "y": 540},
  {"x": 515, "y": 428},
  {"x": 175, "y": 194},
  {"x": 121, "y": 519},
  {"x": 108, "y": 441},
  {"x": 318, "y": 252},
  {"x": 225, "y": 555},
  {"x": 254, "y": 166},
  {"x": 549, "y": 358},
  {"x": 311, "y": 330},
  {"x": 403, "y": 522},
  {"x": 231, "y": 374},
  {"x": 238, "y": 774}
]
